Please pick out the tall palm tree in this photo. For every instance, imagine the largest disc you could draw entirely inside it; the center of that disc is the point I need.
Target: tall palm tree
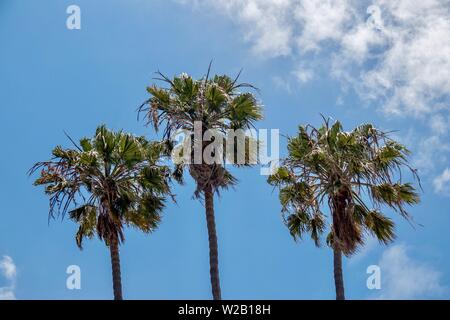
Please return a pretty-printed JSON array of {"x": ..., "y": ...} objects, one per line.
[
  {"x": 105, "y": 183},
  {"x": 356, "y": 173},
  {"x": 212, "y": 104}
]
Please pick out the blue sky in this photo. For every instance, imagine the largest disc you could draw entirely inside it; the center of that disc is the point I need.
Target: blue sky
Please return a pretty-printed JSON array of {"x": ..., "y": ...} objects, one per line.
[{"x": 376, "y": 61}]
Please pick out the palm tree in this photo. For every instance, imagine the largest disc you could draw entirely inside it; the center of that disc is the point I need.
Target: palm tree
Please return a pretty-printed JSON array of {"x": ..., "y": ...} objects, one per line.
[
  {"x": 209, "y": 104},
  {"x": 105, "y": 183},
  {"x": 356, "y": 173}
]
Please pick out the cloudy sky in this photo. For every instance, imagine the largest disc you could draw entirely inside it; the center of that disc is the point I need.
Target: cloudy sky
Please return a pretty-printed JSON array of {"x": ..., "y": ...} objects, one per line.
[{"x": 383, "y": 61}]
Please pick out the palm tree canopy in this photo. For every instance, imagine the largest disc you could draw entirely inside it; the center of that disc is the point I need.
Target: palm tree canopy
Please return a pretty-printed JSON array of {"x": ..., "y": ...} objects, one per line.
[
  {"x": 111, "y": 180},
  {"x": 362, "y": 168},
  {"x": 215, "y": 102}
]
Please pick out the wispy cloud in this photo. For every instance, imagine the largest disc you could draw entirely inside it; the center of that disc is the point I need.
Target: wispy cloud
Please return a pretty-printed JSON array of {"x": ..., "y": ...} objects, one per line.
[
  {"x": 403, "y": 277},
  {"x": 303, "y": 75},
  {"x": 442, "y": 182},
  {"x": 8, "y": 270}
]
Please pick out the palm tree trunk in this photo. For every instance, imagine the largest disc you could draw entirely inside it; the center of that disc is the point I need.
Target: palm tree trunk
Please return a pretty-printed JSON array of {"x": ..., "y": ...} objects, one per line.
[
  {"x": 213, "y": 248},
  {"x": 115, "y": 263},
  {"x": 338, "y": 276}
]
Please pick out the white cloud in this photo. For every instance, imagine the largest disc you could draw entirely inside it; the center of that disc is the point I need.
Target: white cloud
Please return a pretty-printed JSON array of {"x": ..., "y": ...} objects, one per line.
[
  {"x": 431, "y": 152},
  {"x": 321, "y": 21},
  {"x": 8, "y": 268},
  {"x": 440, "y": 124},
  {"x": 263, "y": 20},
  {"x": 412, "y": 72},
  {"x": 406, "y": 278},
  {"x": 442, "y": 182},
  {"x": 7, "y": 293},
  {"x": 303, "y": 75},
  {"x": 401, "y": 48},
  {"x": 9, "y": 271},
  {"x": 395, "y": 54}
]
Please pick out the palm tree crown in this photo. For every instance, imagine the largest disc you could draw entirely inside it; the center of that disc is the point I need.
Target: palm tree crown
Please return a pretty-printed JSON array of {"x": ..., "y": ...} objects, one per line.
[
  {"x": 111, "y": 180},
  {"x": 356, "y": 172},
  {"x": 216, "y": 103}
]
